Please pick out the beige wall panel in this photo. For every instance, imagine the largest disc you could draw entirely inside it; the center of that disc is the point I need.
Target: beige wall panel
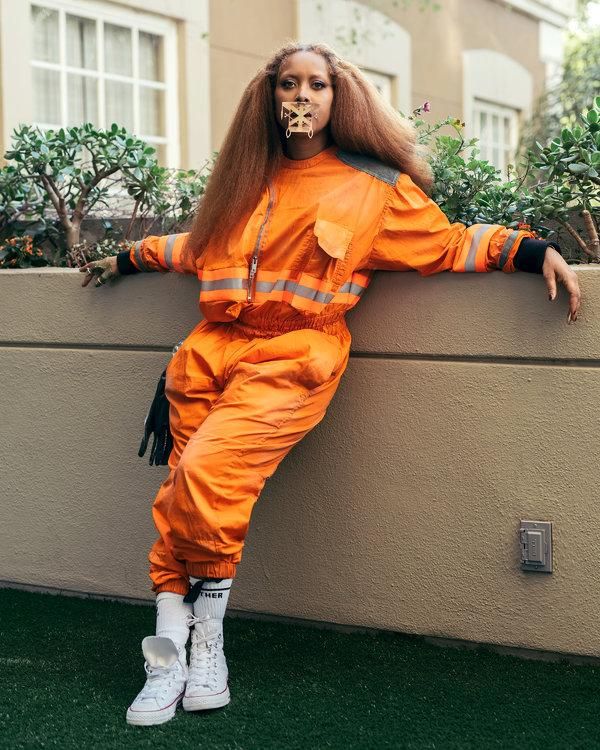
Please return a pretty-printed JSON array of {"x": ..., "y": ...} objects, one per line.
[
  {"x": 475, "y": 315},
  {"x": 414, "y": 529},
  {"x": 401, "y": 509},
  {"x": 460, "y": 25},
  {"x": 242, "y": 36},
  {"x": 254, "y": 28},
  {"x": 150, "y": 310},
  {"x": 491, "y": 25},
  {"x": 76, "y": 497},
  {"x": 447, "y": 315},
  {"x": 231, "y": 73}
]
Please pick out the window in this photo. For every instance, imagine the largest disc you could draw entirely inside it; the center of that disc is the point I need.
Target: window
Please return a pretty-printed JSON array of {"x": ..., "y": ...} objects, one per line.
[
  {"x": 382, "y": 82},
  {"x": 94, "y": 63},
  {"x": 497, "y": 96},
  {"x": 496, "y": 128}
]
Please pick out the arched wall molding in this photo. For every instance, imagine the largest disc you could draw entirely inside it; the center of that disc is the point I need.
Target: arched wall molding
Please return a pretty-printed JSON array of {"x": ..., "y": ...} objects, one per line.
[{"x": 382, "y": 45}]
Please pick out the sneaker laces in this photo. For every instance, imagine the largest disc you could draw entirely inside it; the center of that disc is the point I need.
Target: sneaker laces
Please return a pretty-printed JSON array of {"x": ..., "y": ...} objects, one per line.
[
  {"x": 203, "y": 654},
  {"x": 156, "y": 684},
  {"x": 192, "y": 620}
]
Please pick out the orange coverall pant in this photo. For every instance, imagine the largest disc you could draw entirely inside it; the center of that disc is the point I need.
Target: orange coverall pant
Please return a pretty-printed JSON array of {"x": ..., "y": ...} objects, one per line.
[{"x": 241, "y": 395}]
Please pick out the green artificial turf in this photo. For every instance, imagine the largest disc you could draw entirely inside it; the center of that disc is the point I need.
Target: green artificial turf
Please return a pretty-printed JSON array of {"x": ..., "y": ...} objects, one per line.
[{"x": 71, "y": 666}]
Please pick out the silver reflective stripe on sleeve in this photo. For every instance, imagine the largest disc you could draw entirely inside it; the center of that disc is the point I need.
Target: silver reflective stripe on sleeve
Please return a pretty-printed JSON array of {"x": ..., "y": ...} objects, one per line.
[
  {"x": 169, "y": 250},
  {"x": 138, "y": 256},
  {"x": 506, "y": 248},
  {"x": 475, "y": 240}
]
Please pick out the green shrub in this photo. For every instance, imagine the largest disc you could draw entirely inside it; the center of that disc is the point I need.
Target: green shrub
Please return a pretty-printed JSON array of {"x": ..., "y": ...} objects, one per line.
[
  {"x": 554, "y": 182},
  {"x": 55, "y": 178}
]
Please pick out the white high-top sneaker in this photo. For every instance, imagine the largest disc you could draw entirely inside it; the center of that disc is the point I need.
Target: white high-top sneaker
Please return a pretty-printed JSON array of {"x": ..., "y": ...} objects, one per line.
[
  {"x": 165, "y": 684},
  {"x": 207, "y": 674}
]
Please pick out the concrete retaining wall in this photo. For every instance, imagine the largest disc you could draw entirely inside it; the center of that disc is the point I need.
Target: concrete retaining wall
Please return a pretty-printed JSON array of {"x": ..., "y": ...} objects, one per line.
[{"x": 468, "y": 404}]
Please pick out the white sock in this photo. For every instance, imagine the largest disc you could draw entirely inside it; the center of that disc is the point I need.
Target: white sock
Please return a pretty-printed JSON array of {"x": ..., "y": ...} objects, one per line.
[
  {"x": 171, "y": 618},
  {"x": 212, "y": 603}
]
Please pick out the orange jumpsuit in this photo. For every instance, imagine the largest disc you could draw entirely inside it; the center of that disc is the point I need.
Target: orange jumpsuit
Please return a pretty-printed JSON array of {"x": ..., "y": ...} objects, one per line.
[{"x": 258, "y": 373}]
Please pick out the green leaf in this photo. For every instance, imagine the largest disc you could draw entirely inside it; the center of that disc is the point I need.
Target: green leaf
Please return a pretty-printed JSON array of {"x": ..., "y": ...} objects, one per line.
[
  {"x": 592, "y": 116},
  {"x": 566, "y": 136},
  {"x": 578, "y": 168}
]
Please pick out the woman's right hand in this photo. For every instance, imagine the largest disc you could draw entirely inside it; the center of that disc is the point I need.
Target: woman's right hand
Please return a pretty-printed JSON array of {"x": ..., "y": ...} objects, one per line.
[{"x": 103, "y": 270}]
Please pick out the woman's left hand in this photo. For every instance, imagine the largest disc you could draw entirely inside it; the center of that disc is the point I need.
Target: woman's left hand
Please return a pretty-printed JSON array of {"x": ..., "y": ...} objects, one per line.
[{"x": 554, "y": 269}]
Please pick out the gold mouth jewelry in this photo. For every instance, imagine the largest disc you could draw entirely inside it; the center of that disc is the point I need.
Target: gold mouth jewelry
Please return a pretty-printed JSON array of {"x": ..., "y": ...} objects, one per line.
[{"x": 300, "y": 117}]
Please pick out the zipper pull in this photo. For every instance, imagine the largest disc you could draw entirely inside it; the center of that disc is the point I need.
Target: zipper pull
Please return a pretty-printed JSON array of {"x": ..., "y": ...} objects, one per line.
[{"x": 251, "y": 275}]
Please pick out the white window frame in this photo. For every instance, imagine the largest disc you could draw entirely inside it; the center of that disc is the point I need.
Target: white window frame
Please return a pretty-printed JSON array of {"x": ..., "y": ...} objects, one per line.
[
  {"x": 493, "y": 77},
  {"x": 108, "y": 13},
  {"x": 482, "y": 107}
]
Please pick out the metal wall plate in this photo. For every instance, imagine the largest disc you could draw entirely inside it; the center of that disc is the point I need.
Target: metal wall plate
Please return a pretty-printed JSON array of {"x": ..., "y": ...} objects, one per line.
[{"x": 535, "y": 542}]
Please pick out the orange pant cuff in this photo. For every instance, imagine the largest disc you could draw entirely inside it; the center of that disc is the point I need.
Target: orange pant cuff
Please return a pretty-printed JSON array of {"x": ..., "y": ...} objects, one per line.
[
  {"x": 176, "y": 586},
  {"x": 211, "y": 569}
]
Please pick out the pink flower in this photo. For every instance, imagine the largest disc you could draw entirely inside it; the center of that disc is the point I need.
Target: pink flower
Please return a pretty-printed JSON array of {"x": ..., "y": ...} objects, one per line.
[{"x": 426, "y": 107}]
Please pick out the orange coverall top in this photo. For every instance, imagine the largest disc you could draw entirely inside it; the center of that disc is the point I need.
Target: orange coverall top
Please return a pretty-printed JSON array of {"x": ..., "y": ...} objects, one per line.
[{"x": 320, "y": 229}]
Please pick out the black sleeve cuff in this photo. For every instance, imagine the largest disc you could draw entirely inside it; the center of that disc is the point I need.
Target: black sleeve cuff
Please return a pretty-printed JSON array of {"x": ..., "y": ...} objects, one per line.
[
  {"x": 530, "y": 255},
  {"x": 124, "y": 263}
]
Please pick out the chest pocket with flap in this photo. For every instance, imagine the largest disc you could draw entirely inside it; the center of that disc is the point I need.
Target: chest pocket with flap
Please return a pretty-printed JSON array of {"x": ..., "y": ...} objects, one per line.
[{"x": 334, "y": 241}]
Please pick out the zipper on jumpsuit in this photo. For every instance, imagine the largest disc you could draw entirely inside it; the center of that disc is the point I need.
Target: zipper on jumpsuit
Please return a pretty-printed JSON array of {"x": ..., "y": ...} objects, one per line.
[{"x": 253, "y": 266}]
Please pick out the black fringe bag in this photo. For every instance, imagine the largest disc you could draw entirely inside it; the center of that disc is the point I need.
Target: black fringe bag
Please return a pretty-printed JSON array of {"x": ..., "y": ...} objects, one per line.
[{"x": 157, "y": 424}]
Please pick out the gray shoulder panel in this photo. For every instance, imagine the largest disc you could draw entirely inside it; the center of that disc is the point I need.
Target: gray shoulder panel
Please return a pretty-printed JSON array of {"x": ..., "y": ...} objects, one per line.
[{"x": 370, "y": 165}]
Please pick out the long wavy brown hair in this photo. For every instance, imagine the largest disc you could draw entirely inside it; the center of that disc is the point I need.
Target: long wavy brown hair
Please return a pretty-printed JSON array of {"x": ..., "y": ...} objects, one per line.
[{"x": 361, "y": 121}]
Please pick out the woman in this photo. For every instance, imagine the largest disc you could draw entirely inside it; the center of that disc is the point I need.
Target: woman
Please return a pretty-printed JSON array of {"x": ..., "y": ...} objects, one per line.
[{"x": 319, "y": 182}]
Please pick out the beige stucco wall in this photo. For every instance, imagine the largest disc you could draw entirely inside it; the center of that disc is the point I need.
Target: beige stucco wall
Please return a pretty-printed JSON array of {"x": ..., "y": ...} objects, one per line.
[
  {"x": 468, "y": 405},
  {"x": 242, "y": 36},
  {"x": 222, "y": 44},
  {"x": 238, "y": 50},
  {"x": 462, "y": 25}
]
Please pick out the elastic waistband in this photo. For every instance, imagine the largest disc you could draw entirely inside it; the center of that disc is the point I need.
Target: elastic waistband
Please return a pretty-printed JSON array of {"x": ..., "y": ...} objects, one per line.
[{"x": 266, "y": 326}]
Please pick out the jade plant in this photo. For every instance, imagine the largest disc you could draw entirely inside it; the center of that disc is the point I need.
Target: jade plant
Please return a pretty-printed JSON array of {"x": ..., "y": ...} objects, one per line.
[
  {"x": 554, "y": 182},
  {"x": 70, "y": 172},
  {"x": 570, "y": 166}
]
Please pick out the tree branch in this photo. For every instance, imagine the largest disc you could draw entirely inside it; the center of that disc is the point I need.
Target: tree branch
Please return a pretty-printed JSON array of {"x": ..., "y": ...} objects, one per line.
[
  {"x": 573, "y": 232},
  {"x": 594, "y": 244}
]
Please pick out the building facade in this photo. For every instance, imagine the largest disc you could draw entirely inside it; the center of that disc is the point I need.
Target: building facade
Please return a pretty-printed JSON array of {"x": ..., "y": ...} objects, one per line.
[{"x": 172, "y": 71}]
